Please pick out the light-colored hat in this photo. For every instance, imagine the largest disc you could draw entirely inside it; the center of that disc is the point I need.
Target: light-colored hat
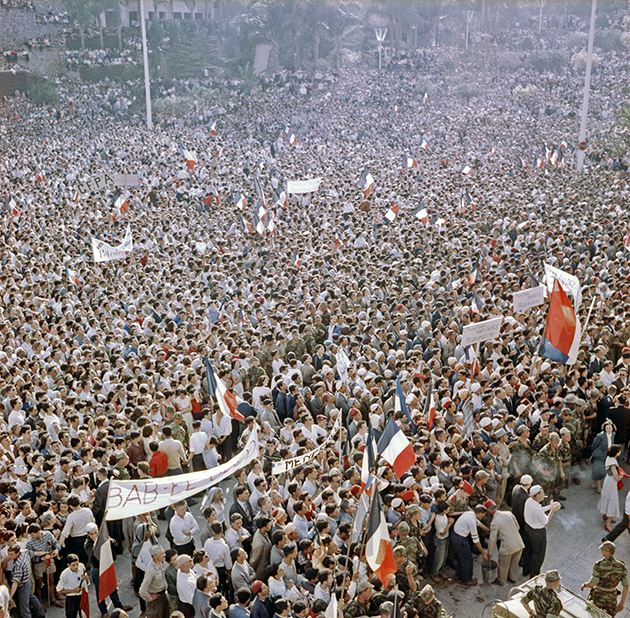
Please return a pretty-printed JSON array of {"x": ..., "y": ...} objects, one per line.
[{"x": 535, "y": 490}]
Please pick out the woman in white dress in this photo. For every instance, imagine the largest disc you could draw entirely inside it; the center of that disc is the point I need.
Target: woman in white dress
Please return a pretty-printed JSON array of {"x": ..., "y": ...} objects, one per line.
[{"x": 608, "y": 504}]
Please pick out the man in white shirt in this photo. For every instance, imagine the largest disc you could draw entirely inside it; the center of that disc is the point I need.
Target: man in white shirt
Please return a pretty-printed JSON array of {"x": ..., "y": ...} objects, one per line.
[
  {"x": 186, "y": 585},
  {"x": 183, "y": 527},
  {"x": 219, "y": 553},
  {"x": 464, "y": 527},
  {"x": 536, "y": 522}
]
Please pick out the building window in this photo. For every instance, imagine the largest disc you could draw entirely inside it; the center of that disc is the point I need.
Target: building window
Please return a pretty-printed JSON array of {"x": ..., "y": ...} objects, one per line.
[
  {"x": 133, "y": 16},
  {"x": 162, "y": 15},
  {"x": 177, "y": 15},
  {"x": 188, "y": 16},
  {"x": 151, "y": 14},
  {"x": 198, "y": 16}
]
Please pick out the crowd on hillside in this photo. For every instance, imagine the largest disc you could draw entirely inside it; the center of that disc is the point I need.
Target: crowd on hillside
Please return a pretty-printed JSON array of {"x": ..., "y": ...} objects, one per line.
[{"x": 310, "y": 307}]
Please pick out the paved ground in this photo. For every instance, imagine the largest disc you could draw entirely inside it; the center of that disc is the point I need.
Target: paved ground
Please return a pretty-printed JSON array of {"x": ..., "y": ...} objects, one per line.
[{"x": 573, "y": 540}]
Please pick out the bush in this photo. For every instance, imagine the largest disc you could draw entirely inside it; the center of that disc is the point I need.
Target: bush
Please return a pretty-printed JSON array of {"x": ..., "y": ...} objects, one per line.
[
  {"x": 509, "y": 60},
  {"x": 466, "y": 91},
  {"x": 526, "y": 44},
  {"x": 41, "y": 89},
  {"x": 625, "y": 40},
  {"x": 578, "y": 61},
  {"x": 608, "y": 40},
  {"x": 547, "y": 60},
  {"x": 577, "y": 39}
]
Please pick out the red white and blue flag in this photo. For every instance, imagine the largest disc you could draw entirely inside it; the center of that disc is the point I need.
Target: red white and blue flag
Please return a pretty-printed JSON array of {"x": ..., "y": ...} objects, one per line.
[
  {"x": 41, "y": 176},
  {"x": 240, "y": 201},
  {"x": 396, "y": 449},
  {"x": 378, "y": 546},
  {"x": 13, "y": 208},
  {"x": 293, "y": 140},
  {"x": 367, "y": 183},
  {"x": 424, "y": 144},
  {"x": 409, "y": 162},
  {"x": 226, "y": 400},
  {"x": 561, "y": 340},
  {"x": 296, "y": 260},
  {"x": 72, "y": 276},
  {"x": 425, "y": 98},
  {"x": 213, "y": 128},
  {"x": 338, "y": 239},
  {"x": 390, "y": 215},
  {"x": 368, "y": 463},
  {"x": 122, "y": 204},
  {"x": 188, "y": 156},
  {"x": 421, "y": 213},
  {"x": 106, "y": 569}
]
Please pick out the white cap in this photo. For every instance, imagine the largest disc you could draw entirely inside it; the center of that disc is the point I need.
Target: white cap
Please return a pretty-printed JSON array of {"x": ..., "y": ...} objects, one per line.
[{"x": 535, "y": 490}]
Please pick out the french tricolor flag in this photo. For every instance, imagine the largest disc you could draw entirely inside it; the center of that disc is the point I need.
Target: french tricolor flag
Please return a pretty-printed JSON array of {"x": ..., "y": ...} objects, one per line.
[
  {"x": 106, "y": 569},
  {"x": 425, "y": 98},
  {"x": 368, "y": 464},
  {"x": 378, "y": 547},
  {"x": 296, "y": 260},
  {"x": 213, "y": 128},
  {"x": 337, "y": 239},
  {"x": 293, "y": 140},
  {"x": 72, "y": 276},
  {"x": 226, "y": 400},
  {"x": 41, "y": 176},
  {"x": 409, "y": 162},
  {"x": 396, "y": 449},
  {"x": 122, "y": 204},
  {"x": 424, "y": 144},
  {"x": 188, "y": 156},
  {"x": 400, "y": 403},
  {"x": 367, "y": 182},
  {"x": 472, "y": 277},
  {"x": 240, "y": 201},
  {"x": 421, "y": 213},
  {"x": 561, "y": 340},
  {"x": 13, "y": 208},
  {"x": 429, "y": 406},
  {"x": 390, "y": 215},
  {"x": 280, "y": 198}
]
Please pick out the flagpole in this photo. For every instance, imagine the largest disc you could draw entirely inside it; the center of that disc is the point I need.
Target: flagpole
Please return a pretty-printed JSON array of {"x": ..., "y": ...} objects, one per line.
[
  {"x": 588, "y": 317},
  {"x": 145, "y": 57}
]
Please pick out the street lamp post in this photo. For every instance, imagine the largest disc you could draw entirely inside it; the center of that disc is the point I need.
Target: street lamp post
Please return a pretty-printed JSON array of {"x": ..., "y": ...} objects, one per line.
[
  {"x": 380, "y": 33},
  {"x": 145, "y": 58},
  {"x": 587, "y": 87}
]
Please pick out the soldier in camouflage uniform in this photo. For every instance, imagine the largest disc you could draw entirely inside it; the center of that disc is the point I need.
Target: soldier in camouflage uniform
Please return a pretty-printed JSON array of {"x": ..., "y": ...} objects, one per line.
[
  {"x": 121, "y": 462},
  {"x": 180, "y": 429},
  {"x": 608, "y": 573},
  {"x": 416, "y": 551},
  {"x": 405, "y": 575},
  {"x": 522, "y": 453},
  {"x": 478, "y": 495},
  {"x": 548, "y": 467},
  {"x": 568, "y": 454},
  {"x": 413, "y": 516},
  {"x": 428, "y": 606},
  {"x": 264, "y": 356},
  {"x": 546, "y": 601},
  {"x": 295, "y": 345},
  {"x": 253, "y": 373},
  {"x": 309, "y": 341},
  {"x": 542, "y": 439},
  {"x": 362, "y": 604}
]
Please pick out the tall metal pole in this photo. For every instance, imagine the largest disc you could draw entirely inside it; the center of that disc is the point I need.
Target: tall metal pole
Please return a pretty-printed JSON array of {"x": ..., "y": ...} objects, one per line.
[
  {"x": 587, "y": 86},
  {"x": 380, "y": 33},
  {"x": 145, "y": 58}
]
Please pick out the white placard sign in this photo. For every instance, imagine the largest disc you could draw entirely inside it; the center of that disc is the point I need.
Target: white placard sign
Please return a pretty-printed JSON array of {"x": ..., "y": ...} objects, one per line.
[
  {"x": 132, "y": 498},
  {"x": 481, "y": 331},
  {"x": 303, "y": 186},
  {"x": 527, "y": 299},
  {"x": 279, "y": 467},
  {"x": 570, "y": 284},
  {"x": 104, "y": 252}
]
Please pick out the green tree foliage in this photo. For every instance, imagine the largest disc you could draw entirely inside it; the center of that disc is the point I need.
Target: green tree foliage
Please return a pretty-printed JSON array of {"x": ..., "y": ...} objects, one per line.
[{"x": 41, "y": 89}]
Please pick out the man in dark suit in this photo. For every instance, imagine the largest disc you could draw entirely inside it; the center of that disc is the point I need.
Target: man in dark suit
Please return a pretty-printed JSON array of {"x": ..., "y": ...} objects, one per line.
[
  {"x": 242, "y": 506},
  {"x": 99, "y": 506},
  {"x": 520, "y": 493}
]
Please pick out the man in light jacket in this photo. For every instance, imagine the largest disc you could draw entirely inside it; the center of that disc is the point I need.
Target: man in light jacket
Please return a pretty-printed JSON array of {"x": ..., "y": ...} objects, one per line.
[{"x": 505, "y": 528}]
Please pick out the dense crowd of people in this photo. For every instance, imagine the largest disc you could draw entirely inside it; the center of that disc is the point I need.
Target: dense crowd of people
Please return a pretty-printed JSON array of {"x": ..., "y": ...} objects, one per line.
[{"x": 310, "y": 307}]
